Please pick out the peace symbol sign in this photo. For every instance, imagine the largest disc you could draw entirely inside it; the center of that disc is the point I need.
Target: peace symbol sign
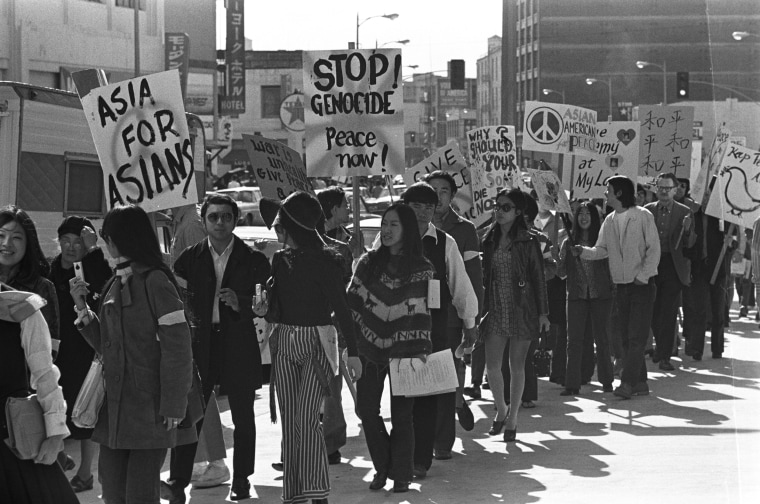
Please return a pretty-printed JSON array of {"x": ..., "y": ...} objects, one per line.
[{"x": 544, "y": 125}]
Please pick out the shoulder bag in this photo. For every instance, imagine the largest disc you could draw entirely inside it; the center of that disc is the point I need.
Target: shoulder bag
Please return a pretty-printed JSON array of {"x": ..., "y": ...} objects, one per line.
[
  {"x": 90, "y": 399},
  {"x": 26, "y": 426}
]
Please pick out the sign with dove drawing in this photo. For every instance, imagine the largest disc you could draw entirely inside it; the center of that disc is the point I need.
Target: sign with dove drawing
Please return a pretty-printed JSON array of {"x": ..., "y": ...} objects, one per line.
[{"x": 736, "y": 195}]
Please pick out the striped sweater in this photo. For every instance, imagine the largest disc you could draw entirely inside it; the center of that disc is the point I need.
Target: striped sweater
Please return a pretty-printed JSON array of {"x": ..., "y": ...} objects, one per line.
[{"x": 391, "y": 314}]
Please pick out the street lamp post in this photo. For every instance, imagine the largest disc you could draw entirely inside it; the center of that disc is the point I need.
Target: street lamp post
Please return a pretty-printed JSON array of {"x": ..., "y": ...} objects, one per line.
[
  {"x": 402, "y": 42},
  {"x": 664, "y": 68},
  {"x": 739, "y": 35},
  {"x": 548, "y": 91},
  {"x": 358, "y": 24},
  {"x": 591, "y": 81}
]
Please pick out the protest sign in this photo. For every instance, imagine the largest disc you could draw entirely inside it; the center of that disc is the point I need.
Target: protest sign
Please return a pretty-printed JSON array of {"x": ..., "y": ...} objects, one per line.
[
  {"x": 665, "y": 145},
  {"x": 449, "y": 159},
  {"x": 617, "y": 153},
  {"x": 143, "y": 142},
  {"x": 353, "y": 112},
  {"x": 548, "y": 187},
  {"x": 493, "y": 155},
  {"x": 699, "y": 188},
  {"x": 278, "y": 169},
  {"x": 696, "y": 160},
  {"x": 736, "y": 195},
  {"x": 559, "y": 128},
  {"x": 413, "y": 378}
]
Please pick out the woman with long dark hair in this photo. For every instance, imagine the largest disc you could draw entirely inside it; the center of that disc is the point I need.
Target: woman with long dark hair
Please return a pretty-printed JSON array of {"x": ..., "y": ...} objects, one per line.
[
  {"x": 26, "y": 362},
  {"x": 144, "y": 339},
  {"x": 589, "y": 296},
  {"x": 78, "y": 242},
  {"x": 388, "y": 298},
  {"x": 305, "y": 288},
  {"x": 515, "y": 304},
  {"x": 23, "y": 265}
]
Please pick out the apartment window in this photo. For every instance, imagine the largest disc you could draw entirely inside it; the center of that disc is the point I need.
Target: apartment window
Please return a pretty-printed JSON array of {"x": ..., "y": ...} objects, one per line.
[
  {"x": 131, "y": 4},
  {"x": 81, "y": 196},
  {"x": 270, "y": 101}
]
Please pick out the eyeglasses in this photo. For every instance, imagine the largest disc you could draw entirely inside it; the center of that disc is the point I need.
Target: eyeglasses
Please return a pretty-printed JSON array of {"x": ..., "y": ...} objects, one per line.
[
  {"x": 225, "y": 217},
  {"x": 504, "y": 207},
  {"x": 66, "y": 244}
]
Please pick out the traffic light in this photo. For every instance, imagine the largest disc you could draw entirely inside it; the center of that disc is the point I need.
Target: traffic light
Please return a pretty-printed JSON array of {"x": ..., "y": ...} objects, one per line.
[
  {"x": 682, "y": 85},
  {"x": 456, "y": 74}
]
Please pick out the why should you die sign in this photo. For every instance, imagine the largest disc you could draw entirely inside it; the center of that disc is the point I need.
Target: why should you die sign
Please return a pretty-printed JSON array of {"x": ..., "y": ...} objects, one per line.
[
  {"x": 353, "y": 112},
  {"x": 143, "y": 142}
]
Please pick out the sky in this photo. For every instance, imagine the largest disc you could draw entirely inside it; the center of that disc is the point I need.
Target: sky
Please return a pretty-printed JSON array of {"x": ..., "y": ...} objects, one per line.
[{"x": 437, "y": 31}]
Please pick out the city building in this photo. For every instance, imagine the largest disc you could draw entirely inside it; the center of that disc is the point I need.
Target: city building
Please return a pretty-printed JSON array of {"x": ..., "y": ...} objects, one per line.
[
  {"x": 43, "y": 41},
  {"x": 557, "y": 45},
  {"x": 489, "y": 84},
  {"x": 429, "y": 105}
]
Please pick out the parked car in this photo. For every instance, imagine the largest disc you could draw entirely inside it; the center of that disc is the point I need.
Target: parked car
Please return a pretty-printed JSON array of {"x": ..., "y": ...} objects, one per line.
[
  {"x": 247, "y": 199},
  {"x": 259, "y": 238}
]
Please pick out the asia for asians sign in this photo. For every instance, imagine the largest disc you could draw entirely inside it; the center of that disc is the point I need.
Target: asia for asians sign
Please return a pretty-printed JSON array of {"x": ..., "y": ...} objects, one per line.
[
  {"x": 143, "y": 142},
  {"x": 353, "y": 112}
]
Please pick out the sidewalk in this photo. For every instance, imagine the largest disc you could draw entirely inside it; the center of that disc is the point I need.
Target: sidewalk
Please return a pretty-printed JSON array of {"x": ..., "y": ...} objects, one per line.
[{"x": 694, "y": 439}]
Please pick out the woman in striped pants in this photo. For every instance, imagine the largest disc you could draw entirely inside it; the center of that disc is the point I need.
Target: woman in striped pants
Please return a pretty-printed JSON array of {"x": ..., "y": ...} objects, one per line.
[{"x": 305, "y": 288}]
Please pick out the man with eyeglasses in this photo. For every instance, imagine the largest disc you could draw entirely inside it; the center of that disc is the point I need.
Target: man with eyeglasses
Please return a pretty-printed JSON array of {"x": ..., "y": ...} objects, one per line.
[
  {"x": 675, "y": 227},
  {"x": 220, "y": 275},
  {"x": 455, "y": 289}
]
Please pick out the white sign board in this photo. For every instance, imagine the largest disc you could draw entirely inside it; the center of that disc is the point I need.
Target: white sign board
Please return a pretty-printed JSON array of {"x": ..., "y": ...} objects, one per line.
[
  {"x": 549, "y": 190},
  {"x": 617, "y": 154},
  {"x": 493, "y": 155},
  {"x": 353, "y": 112},
  {"x": 412, "y": 378},
  {"x": 736, "y": 195},
  {"x": 143, "y": 142},
  {"x": 449, "y": 159},
  {"x": 665, "y": 145},
  {"x": 559, "y": 128},
  {"x": 699, "y": 188},
  {"x": 278, "y": 169}
]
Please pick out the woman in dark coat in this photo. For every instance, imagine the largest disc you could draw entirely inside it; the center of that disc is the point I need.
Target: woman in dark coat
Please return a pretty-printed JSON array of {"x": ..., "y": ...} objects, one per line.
[
  {"x": 515, "y": 303},
  {"x": 144, "y": 339},
  {"x": 78, "y": 242}
]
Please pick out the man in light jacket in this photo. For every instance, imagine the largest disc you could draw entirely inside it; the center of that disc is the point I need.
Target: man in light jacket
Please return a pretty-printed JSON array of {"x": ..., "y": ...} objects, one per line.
[{"x": 629, "y": 239}]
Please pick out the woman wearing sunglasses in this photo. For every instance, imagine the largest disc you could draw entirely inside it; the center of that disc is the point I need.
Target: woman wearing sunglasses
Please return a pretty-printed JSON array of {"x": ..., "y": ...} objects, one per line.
[{"x": 515, "y": 304}]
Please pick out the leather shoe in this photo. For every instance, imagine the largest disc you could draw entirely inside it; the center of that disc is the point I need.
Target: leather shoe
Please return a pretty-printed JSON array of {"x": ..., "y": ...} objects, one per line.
[
  {"x": 172, "y": 492},
  {"x": 510, "y": 435},
  {"x": 570, "y": 392},
  {"x": 607, "y": 387},
  {"x": 378, "y": 481},
  {"x": 473, "y": 391},
  {"x": 419, "y": 471},
  {"x": 496, "y": 427},
  {"x": 241, "y": 488},
  {"x": 466, "y": 419},
  {"x": 441, "y": 454},
  {"x": 334, "y": 458},
  {"x": 696, "y": 356},
  {"x": 624, "y": 391},
  {"x": 666, "y": 366},
  {"x": 400, "y": 486}
]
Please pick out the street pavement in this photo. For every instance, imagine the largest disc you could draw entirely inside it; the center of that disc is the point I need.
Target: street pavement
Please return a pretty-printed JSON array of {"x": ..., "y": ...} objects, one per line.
[{"x": 695, "y": 439}]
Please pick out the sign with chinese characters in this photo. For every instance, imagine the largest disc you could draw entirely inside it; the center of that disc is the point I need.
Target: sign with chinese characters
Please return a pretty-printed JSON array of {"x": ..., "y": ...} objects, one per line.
[
  {"x": 143, "y": 142},
  {"x": 233, "y": 103},
  {"x": 449, "y": 159},
  {"x": 736, "y": 195},
  {"x": 665, "y": 145},
  {"x": 617, "y": 154},
  {"x": 559, "y": 128},
  {"x": 354, "y": 112},
  {"x": 177, "y": 56}
]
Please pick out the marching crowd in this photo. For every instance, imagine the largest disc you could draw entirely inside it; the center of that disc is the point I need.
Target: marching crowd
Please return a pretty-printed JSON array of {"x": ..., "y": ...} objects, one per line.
[{"x": 599, "y": 290}]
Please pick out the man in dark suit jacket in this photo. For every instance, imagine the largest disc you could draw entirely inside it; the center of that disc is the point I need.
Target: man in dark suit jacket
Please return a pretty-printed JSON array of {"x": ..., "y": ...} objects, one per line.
[
  {"x": 675, "y": 226},
  {"x": 220, "y": 275}
]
